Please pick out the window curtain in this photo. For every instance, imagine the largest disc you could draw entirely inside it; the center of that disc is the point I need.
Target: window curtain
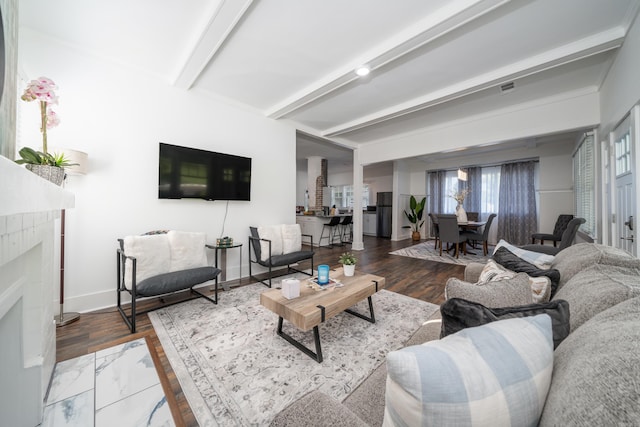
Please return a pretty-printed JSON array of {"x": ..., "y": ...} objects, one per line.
[
  {"x": 473, "y": 202},
  {"x": 437, "y": 191},
  {"x": 517, "y": 218}
]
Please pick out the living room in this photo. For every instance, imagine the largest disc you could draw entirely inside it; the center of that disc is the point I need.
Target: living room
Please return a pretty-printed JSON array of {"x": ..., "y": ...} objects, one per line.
[{"x": 124, "y": 92}]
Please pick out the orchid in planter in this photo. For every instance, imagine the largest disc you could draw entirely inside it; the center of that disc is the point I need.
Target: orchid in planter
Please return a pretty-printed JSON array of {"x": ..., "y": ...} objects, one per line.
[{"x": 43, "y": 91}]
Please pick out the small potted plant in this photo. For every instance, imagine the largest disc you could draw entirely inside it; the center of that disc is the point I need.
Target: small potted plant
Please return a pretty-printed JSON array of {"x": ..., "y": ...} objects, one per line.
[
  {"x": 415, "y": 217},
  {"x": 348, "y": 261}
]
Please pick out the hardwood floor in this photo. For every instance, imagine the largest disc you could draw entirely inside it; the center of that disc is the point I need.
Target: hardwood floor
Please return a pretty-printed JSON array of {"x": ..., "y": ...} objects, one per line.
[{"x": 104, "y": 328}]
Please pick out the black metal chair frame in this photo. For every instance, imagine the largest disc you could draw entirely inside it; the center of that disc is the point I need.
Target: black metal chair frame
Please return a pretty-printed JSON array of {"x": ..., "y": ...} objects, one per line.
[
  {"x": 255, "y": 259},
  {"x": 346, "y": 235},
  {"x": 130, "y": 319}
]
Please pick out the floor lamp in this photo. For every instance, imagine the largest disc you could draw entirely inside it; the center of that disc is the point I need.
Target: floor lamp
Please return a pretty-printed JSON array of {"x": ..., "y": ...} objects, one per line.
[{"x": 80, "y": 169}]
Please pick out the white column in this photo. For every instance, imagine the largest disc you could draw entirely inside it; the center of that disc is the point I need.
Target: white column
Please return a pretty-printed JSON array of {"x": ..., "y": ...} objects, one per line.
[{"x": 357, "y": 244}]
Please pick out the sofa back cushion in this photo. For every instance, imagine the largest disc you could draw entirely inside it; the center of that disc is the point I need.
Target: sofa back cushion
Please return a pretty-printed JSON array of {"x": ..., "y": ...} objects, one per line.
[
  {"x": 580, "y": 256},
  {"x": 598, "y": 288},
  {"x": 595, "y": 374},
  {"x": 495, "y": 374}
]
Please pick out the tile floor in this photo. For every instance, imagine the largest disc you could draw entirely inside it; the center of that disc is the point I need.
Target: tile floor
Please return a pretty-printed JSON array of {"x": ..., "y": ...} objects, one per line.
[{"x": 117, "y": 386}]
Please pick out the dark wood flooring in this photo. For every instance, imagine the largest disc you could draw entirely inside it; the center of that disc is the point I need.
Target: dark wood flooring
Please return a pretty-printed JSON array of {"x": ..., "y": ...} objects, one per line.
[{"x": 104, "y": 328}]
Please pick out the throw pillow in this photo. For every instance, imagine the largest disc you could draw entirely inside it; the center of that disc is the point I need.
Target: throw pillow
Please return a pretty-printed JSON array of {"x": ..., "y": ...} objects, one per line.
[
  {"x": 503, "y": 293},
  {"x": 494, "y": 272},
  {"x": 458, "y": 314},
  {"x": 495, "y": 374},
  {"x": 274, "y": 234},
  {"x": 512, "y": 262},
  {"x": 540, "y": 260},
  {"x": 187, "y": 250},
  {"x": 540, "y": 288},
  {"x": 291, "y": 238},
  {"x": 152, "y": 254}
]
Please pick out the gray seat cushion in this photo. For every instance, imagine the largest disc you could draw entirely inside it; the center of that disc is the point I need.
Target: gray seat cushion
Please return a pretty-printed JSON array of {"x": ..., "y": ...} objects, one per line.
[
  {"x": 595, "y": 372},
  {"x": 286, "y": 259},
  {"x": 175, "y": 281},
  {"x": 597, "y": 288}
]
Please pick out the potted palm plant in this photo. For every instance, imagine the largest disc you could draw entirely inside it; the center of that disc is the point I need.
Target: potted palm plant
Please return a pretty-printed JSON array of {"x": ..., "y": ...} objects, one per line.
[
  {"x": 348, "y": 261},
  {"x": 415, "y": 216},
  {"x": 42, "y": 163}
]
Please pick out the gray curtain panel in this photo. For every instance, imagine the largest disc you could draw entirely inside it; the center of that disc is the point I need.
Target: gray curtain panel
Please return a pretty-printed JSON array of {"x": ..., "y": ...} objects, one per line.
[
  {"x": 517, "y": 218},
  {"x": 437, "y": 191},
  {"x": 473, "y": 202}
]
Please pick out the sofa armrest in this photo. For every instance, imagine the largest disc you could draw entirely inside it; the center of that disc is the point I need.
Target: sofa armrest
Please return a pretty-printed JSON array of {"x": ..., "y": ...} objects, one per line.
[
  {"x": 429, "y": 331},
  {"x": 472, "y": 272},
  {"x": 316, "y": 408}
]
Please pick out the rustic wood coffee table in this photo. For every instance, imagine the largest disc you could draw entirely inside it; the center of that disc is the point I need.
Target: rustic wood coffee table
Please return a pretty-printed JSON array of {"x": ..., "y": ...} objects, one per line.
[{"x": 315, "y": 306}]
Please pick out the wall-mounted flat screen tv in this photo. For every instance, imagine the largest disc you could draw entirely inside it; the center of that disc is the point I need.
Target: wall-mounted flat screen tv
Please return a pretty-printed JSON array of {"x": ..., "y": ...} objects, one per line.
[{"x": 199, "y": 174}]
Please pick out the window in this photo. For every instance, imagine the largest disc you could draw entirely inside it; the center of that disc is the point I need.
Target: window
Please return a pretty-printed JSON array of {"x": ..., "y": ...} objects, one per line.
[
  {"x": 490, "y": 191},
  {"x": 342, "y": 196},
  {"x": 584, "y": 181}
]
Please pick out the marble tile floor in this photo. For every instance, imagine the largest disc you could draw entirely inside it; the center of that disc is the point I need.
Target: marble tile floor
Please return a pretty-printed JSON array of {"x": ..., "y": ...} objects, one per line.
[{"x": 117, "y": 386}]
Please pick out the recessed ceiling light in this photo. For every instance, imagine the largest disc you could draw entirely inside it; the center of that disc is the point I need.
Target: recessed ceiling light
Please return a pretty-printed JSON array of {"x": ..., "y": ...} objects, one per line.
[{"x": 363, "y": 71}]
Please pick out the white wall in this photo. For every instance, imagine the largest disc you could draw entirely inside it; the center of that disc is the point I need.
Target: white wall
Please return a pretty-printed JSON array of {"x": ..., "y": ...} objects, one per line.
[
  {"x": 621, "y": 88},
  {"x": 118, "y": 116}
]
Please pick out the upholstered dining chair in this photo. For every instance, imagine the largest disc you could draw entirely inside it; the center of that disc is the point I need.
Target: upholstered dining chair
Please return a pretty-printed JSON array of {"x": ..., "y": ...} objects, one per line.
[
  {"x": 450, "y": 233},
  {"x": 561, "y": 224},
  {"x": 472, "y": 216},
  {"x": 434, "y": 227},
  {"x": 482, "y": 236},
  {"x": 568, "y": 237}
]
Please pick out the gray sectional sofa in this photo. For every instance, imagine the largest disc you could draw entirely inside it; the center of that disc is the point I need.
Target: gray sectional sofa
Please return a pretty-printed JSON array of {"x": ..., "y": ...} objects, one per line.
[{"x": 596, "y": 369}]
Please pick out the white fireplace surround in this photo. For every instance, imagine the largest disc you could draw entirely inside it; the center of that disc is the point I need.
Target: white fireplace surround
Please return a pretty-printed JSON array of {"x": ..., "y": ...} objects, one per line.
[{"x": 29, "y": 207}]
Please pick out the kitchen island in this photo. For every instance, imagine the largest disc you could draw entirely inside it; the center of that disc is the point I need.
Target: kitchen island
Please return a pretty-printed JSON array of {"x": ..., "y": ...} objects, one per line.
[{"x": 312, "y": 224}]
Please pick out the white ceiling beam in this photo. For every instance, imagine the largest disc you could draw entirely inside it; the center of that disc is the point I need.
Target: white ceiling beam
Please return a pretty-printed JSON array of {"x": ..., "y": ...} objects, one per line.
[
  {"x": 224, "y": 19},
  {"x": 589, "y": 46},
  {"x": 453, "y": 15}
]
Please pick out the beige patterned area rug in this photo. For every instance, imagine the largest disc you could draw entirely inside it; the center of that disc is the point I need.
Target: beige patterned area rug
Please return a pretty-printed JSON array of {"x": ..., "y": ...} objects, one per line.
[
  {"x": 235, "y": 370},
  {"x": 426, "y": 251}
]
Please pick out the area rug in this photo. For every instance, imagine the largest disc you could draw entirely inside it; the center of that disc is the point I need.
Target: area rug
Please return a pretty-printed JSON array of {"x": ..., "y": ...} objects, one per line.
[
  {"x": 426, "y": 251},
  {"x": 235, "y": 370}
]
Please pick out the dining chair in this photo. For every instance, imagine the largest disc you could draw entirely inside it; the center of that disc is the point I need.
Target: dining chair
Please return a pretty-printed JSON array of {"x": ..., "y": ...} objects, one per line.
[
  {"x": 434, "y": 227},
  {"x": 482, "y": 236},
  {"x": 450, "y": 233},
  {"x": 568, "y": 237},
  {"x": 472, "y": 216},
  {"x": 561, "y": 224}
]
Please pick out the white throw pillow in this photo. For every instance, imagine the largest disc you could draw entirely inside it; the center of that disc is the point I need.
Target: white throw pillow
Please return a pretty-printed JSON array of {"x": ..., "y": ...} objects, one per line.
[
  {"x": 273, "y": 233},
  {"x": 494, "y": 374},
  {"x": 187, "y": 250},
  {"x": 540, "y": 288},
  {"x": 152, "y": 255},
  {"x": 291, "y": 238}
]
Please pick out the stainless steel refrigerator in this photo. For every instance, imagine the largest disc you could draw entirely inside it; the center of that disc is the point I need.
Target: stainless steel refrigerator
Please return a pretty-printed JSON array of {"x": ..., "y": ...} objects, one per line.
[{"x": 384, "y": 201}]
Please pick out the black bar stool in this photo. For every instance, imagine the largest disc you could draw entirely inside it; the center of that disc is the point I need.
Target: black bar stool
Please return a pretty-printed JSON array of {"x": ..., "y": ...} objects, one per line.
[
  {"x": 333, "y": 231},
  {"x": 347, "y": 228}
]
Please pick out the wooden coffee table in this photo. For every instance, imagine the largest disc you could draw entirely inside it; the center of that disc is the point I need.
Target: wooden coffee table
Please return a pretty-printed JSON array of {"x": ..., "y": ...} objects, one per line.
[{"x": 314, "y": 306}]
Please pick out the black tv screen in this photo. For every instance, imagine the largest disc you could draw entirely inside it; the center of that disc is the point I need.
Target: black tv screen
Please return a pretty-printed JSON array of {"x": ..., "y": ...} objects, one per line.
[{"x": 200, "y": 174}]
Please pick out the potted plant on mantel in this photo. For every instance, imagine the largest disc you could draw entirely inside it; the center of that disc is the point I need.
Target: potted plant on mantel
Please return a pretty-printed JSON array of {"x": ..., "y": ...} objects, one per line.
[
  {"x": 42, "y": 163},
  {"x": 348, "y": 261},
  {"x": 415, "y": 217}
]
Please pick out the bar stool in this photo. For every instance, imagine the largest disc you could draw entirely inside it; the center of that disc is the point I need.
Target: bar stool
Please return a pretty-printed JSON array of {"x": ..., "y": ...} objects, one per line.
[
  {"x": 334, "y": 231},
  {"x": 347, "y": 228}
]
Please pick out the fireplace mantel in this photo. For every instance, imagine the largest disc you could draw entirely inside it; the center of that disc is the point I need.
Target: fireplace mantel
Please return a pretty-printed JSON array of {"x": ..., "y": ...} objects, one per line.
[{"x": 29, "y": 207}]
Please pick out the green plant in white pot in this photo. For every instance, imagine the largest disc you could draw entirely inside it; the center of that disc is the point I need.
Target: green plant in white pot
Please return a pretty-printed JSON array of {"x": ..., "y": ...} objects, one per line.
[
  {"x": 47, "y": 165},
  {"x": 348, "y": 261}
]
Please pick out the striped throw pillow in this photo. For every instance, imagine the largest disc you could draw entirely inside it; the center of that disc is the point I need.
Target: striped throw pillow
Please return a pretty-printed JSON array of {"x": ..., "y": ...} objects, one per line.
[{"x": 495, "y": 374}]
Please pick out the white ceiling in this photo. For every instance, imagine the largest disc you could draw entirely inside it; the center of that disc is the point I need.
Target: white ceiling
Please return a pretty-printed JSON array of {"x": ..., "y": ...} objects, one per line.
[{"x": 431, "y": 61}]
